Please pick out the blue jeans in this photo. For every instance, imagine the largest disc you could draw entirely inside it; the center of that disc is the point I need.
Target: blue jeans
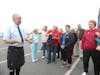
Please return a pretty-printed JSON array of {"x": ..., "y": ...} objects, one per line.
[
  {"x": 52, "y": 49},
  {"x": 34, "y": 48},
  {"x": 44, "y": 48}
]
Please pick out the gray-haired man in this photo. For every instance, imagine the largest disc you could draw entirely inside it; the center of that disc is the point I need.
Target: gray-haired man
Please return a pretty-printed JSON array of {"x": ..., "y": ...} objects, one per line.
[{"x": 14, "y": 36}]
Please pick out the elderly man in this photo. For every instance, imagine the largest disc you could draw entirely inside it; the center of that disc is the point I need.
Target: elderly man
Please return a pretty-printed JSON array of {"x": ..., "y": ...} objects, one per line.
[
  {"x": 15, "y": 37},
  {"x": 79, "y": 32},
  {"x": 53, "y": 40}
]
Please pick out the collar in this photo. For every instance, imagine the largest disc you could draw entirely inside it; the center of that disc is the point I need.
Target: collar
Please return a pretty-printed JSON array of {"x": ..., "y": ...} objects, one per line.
[{"x": 16, "y": 25}]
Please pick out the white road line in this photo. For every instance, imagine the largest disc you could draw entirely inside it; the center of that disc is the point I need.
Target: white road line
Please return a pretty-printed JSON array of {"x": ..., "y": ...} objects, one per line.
[
  {"x": 4, "y": 61},
  {"x": 28, "y": 54},
  {"x": 73, "y": 67}
]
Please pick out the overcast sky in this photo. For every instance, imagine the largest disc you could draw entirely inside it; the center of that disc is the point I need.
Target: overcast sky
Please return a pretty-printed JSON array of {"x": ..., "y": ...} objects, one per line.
[{"x": 37, "y": 13}]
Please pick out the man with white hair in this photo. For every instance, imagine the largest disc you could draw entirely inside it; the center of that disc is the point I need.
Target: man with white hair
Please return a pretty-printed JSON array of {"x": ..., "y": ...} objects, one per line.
[
  {"x": 52, "y": 42},
  {"x": 15, "y": 37}
]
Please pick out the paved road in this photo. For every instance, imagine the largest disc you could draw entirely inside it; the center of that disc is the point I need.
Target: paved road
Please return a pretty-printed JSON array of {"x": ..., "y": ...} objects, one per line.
[
  {"x": 39, "y": 68},
  {"x": 79, "y": 68}
]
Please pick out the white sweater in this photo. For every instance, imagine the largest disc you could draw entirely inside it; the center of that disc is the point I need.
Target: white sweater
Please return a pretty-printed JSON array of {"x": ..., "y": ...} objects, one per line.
[{"x": 44, "y": 37}]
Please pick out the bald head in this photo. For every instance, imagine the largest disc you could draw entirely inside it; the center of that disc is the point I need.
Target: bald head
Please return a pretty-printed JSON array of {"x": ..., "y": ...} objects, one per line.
[
  {"x": 55, "y": 28},
  {"x": 79, "y": 26},
  {"x": 73, "y": 30},
  {"x": 16, "y": 19}
]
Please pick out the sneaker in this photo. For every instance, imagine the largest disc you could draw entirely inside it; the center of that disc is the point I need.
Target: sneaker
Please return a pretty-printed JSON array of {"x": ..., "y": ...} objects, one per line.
[
  {"x": 36, "y": 60},
  {"x": 48, "y": 62},
  {"x": 84, "y": 73},
  {"x": 54, "y": 62},
  {"x": 69, "y": 66},
  {"x": 43, "y": 57},
  {"x": 33, "y": 61},
  {"x": 81, "y": 58}
]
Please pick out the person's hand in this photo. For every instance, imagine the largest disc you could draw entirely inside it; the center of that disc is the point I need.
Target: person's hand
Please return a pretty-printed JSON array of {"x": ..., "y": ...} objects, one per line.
[
  {"x": 30, "y": 41},
  {"x": 18, "y": 41},
  {"x": 54, "y": 37},
  {"x": 97, "y": 33},
  {"x": 62, "y": 46},
  {"x": 98, "y": 48}
]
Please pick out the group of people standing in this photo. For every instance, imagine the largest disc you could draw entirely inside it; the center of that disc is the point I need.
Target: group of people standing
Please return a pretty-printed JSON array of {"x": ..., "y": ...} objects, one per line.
[
  {"x": 55, "y": 43},
  {"x": 61, "y": 44}
]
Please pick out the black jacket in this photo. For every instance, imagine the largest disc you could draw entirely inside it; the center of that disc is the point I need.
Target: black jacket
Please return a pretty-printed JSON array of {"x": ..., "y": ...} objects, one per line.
[{"x": 69, "y": 41}]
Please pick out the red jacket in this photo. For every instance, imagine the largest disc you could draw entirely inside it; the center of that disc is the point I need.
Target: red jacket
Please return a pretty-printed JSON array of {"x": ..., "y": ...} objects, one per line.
[
  {"x": 88, "y": 40},
  {"x": 55, "y": 34}
]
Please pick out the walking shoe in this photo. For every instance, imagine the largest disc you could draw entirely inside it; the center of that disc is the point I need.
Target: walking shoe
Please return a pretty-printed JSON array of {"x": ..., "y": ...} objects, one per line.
[
  {"x": 33, "y": 61},
  {"x": 36, "y": 60},
  {"x": 54, "y": 62},
  {"x": 81, "y": 58},
  {"x": 43, "y": 57},
  {"x": 69, "y": 66},
  {"x": 48, "y": 62},
  {"x": 84, "y": 73}
]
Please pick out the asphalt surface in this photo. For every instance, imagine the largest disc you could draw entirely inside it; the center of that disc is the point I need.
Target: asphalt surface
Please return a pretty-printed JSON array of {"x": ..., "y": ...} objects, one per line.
[
  {"x": 79, "y": 69},
  {"x": 41, "y": 67}
]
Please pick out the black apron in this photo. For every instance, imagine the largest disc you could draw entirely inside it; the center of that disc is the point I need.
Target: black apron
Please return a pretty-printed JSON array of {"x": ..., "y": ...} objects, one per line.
[{"x": 15, "y": 57}]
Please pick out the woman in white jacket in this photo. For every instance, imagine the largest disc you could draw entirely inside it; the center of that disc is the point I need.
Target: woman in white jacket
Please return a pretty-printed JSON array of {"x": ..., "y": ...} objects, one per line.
[{"x": 44, "y": 41}]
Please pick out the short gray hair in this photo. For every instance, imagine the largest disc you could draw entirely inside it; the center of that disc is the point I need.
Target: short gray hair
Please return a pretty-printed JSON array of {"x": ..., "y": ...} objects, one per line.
[
  {"x": 14, "y": 16},
  {"x": 68, "y": 26}
]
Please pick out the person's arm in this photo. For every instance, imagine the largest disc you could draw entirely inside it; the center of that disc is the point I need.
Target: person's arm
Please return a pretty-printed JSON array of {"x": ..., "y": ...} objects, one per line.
[
  {"x": 62, "y": 46},
  {"x": 61, "y": 39},
  {"x": 83, "y": 40},
  {"x": 7, "y": 36},
  {"x": 29, "y": 39},
  {"x": 97, "y": 34},
  {"x": 49, "y": 33},
  {"x": 8, "y": 41},
  {"x": 57, "y": 37}
]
